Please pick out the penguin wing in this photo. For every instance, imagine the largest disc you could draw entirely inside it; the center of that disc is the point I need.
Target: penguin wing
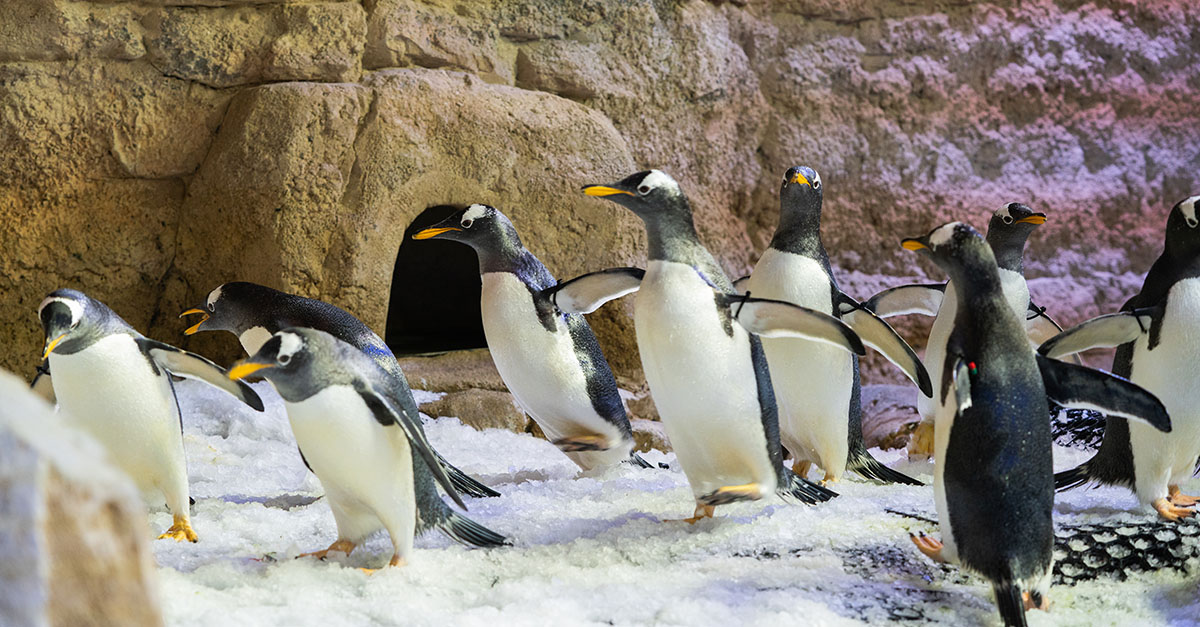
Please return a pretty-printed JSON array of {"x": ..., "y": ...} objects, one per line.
[
  {"x": 739, "y": 285},
  {"x": 1085, "y": 388},
  {"x": 1039, "y": 327},
  {"x": 387, "y": 414},
  {"x": 584, "y": 294},
  {"x": 917, "y": 298},
  {"x": 41, "y": 384},
  {"x": 879, "y": 335},
  {"x": 192, "y": 366},
  {"x": 775, "y": 318},
  {"x": 1101, "y": 332}
]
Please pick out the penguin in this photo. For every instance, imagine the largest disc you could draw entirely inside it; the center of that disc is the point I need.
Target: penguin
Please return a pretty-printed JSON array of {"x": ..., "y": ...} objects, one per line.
[
  {"x": 358, "y": 429},
  {"x": 1008, "y": 230},
  {"x": 1158, "y": 348},
  {"x": 550, "y": 360},
  {"x": 817, "y": 385},
  {"x": 116, "y": 384},
  {"x": 254, "y": 312},
  {"x": 701, "y": 352},
  {"x": 993, "y": 466}
]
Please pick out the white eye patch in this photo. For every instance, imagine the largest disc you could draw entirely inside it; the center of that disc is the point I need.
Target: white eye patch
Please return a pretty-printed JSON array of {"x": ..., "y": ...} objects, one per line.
[
  {"x": 289, "y": 344},
  {"x": 658, "y": 179},
  {"x": 1188, "y": 209},
  {"x": 943, "y": 234},
  {"x": 74, "y": 306},
  {"x": 213, "y": 297},
  {"x": 474, "y": 212}
]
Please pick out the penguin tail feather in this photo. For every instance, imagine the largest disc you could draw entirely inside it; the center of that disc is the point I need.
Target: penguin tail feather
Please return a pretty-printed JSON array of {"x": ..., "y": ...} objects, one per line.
[
  {"x": 466, "y": 531},
  {"x": 464, "y": 483},
  {"x": 1072, "y": 478},
  {"x": 639, "y": 461},
  {"x": 795, "y": 487},
  {"x": 872, "y": 469},
  {"x": 1010, "y": 603}
]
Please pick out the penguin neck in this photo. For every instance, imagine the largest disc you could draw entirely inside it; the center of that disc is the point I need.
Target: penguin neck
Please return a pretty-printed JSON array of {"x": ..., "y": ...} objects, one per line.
[
  {"x": 1185, "y": 264},
  {"x": 673, "y": 237},
  {"x": 1010, "y": 255},
  {"x": 975, "y": 279},
  {"x": 503, "y": 253},
  {"x": 799, "y": 232}
]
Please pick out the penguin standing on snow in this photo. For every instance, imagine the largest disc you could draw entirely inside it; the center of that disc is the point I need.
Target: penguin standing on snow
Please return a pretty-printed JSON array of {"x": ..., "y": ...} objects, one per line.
[
  {"x": 549, "y": 360},
  {"x": 255, "y": 312},
  {"x": 700, "y": 350},
  {"x": 1158, "y": 348},
  {"x": 359, "y": 433},
  {"x": 818, "y": 385},
  {"x": 115, "y": 384},
  {"x": 993, "y": 472},
  {"x": 1008, "y": 230}
]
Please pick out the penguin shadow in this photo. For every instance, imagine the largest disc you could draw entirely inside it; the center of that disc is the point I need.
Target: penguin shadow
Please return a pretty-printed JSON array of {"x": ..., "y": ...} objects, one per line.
[{"x": 284, "y": 502}]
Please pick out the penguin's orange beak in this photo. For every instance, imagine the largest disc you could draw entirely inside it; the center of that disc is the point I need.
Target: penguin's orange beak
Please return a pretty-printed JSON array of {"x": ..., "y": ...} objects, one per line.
[
  {"x": 195, "y": 327},
  {"x": 913, "y": 244},
  {"x": 434, "y": 232},
  {"x": 603, "y": 190},
  {"x": 1037, "y": 218},
  {"x": 51, "y": 344},
  {"x": 243, "y": 369},
  {"x": 800, "y": 178}
]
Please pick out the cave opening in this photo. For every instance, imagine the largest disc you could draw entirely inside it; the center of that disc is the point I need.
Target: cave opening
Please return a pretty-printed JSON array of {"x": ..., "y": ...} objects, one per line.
[{"x": 434, "y": 302}]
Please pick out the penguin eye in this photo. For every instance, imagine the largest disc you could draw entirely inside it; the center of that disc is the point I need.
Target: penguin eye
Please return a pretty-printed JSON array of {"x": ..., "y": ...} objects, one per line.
[
  {"x": 283, "y": 359},
  {"x": 1007, "y": 219},
  {"x": 1192, "y": 222},
  {"x": 212, "y": 307},
  {"x": 466, "y": 224},
  {"x": 643, "y": 189},
  {"x": 817, "y": 184}
]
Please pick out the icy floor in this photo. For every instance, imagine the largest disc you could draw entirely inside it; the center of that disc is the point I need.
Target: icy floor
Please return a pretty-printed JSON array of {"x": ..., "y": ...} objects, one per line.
[{"x": 588, "y": 550}]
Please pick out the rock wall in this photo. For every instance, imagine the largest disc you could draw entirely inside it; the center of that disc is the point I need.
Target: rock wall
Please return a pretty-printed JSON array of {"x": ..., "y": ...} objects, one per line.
[{"x": 152, "y": 150}]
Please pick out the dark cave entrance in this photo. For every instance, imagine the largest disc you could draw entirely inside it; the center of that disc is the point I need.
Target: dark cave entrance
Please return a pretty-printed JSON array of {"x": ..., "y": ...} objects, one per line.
[{"x": 434, "y": 303}]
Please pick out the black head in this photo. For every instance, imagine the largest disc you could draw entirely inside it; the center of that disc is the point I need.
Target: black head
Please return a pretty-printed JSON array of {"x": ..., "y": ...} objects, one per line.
[
  {"x": 292, "y": 361},
  {"x": 651, "y": 194},
  {"x": 1008, "y": 230},
  {"x": 65, "y": 321},
  {"x": 233, "y": 307},
  {"x": 1183, "y": 230},
  {"x": 955, "y": 247},
  {"x": 801, "y": 190},
  {"x": 478, "y": 226}
]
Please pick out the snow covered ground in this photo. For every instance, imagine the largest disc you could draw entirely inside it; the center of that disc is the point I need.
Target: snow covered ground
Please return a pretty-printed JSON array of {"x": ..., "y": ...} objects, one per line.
[{"x": 588, "y": 550}]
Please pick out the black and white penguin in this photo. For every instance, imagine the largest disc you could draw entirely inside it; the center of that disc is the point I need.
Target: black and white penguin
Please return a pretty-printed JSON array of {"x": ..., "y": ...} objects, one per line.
[
  {"x": 1158, "y": 347},
  {"x": 993, "y": 473},
  {"x": 255, "y": 312},
  {"x": 359, "y": 431},
  {"x": 550, "y": 360},
  {"x": 701, "y": 352},
  {"x": 115, "y": 384},
  {"x": 817, "y": 385},
  {"x": 1008, "y": 230}
]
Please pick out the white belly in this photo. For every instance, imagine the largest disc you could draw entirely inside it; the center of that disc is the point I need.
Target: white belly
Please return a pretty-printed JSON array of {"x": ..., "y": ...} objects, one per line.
[
  {"x": 365, "y": 467},
  {"x": 702, "y": 381},
  {"x": 542, "y": 370},
  {"x": 110, "y": 391},
  {"x": 813, "y": 381},
  {"x": 1169, "y": 372},
  {"x": 943, "y": 422}
]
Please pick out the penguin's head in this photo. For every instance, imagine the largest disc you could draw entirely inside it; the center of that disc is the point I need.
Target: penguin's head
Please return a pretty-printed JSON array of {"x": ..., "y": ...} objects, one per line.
[
  {"x": 801, "y": 189},
  {"x": 952, "y": 246},
  {"x": 651, "y": 194},
  {"x": 285, "y": 360},
  {"x": 478, "y": 226},
  {"x": 1183, "y": 229},
  {"x": 64, "y": 315},
  {"x": 231, "y": 307},
  {"x": 1008, "y": 230}
]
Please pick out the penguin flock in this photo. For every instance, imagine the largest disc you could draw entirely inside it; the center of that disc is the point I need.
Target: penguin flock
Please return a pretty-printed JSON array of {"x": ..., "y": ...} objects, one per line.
[{"x": 744, "y": 374}]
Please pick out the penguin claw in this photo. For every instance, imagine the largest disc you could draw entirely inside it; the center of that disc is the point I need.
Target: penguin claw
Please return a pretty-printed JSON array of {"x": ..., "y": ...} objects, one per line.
[
  {"x": 1180, "y": 499},
  {"x": 340, "y": 546},
  {"x": 931, "y": 547},
  {"x": 702, "y": 512},
  {"x": 1170, "y": 511},
  {"x": 180, "y": 530}
]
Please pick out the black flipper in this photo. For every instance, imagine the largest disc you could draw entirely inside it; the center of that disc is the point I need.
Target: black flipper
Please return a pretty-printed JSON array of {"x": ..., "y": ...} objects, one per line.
[
  {"x": 907, "y": 299},
  {"x": 1010, "y": 603},
  {"x": 879, "y": 335},
  {"x": 1076, "y": 386},
  {"x": 639, "y": 461},
  {"x": 1104, "y": 331},
  {"x": 192, "y": 366},
  {"x": 466, "y": 531},
  {"x": 862, "y": 463},
  {"x": 776, "y": 318},
  {"x": 464, "y": 483},
  {"x": 585, "y": 294}
]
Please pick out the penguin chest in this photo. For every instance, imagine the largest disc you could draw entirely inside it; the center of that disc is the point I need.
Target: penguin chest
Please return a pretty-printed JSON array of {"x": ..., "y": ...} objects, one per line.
[
  {"x": 355, "y": 457},
  {"x": 702, "y": 377},
  {"x": 1016, "y": 292},
  {"x": 1168, "y": 371},
  {"x": 111, "y": 391},
  {"x": 539, "y": 365},
  {"x": 813, "y": 381}
]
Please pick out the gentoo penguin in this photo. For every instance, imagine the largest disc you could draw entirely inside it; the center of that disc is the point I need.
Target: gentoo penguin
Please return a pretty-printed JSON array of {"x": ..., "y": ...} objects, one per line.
[
  {"x": 549, "y": 360},
  {"x": 1157, "y": 348},
  {"x": 115, "y": 384},
  {"x": 254, "y": 312},
  {"x": 993, "y": 472},
  {"x": 700, "y": 350},
  {"x": 817, "y": 385},
  {"x": 358, "y": 430},
  {"x": 1008, "y": 230}
]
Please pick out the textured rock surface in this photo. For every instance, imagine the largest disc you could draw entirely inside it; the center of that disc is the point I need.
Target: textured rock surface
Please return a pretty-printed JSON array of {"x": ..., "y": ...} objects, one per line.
[
  {"x": 74, "y": 546},
  {"x": 149, "y": 152},
  {"x": 481, "y": 409}
]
